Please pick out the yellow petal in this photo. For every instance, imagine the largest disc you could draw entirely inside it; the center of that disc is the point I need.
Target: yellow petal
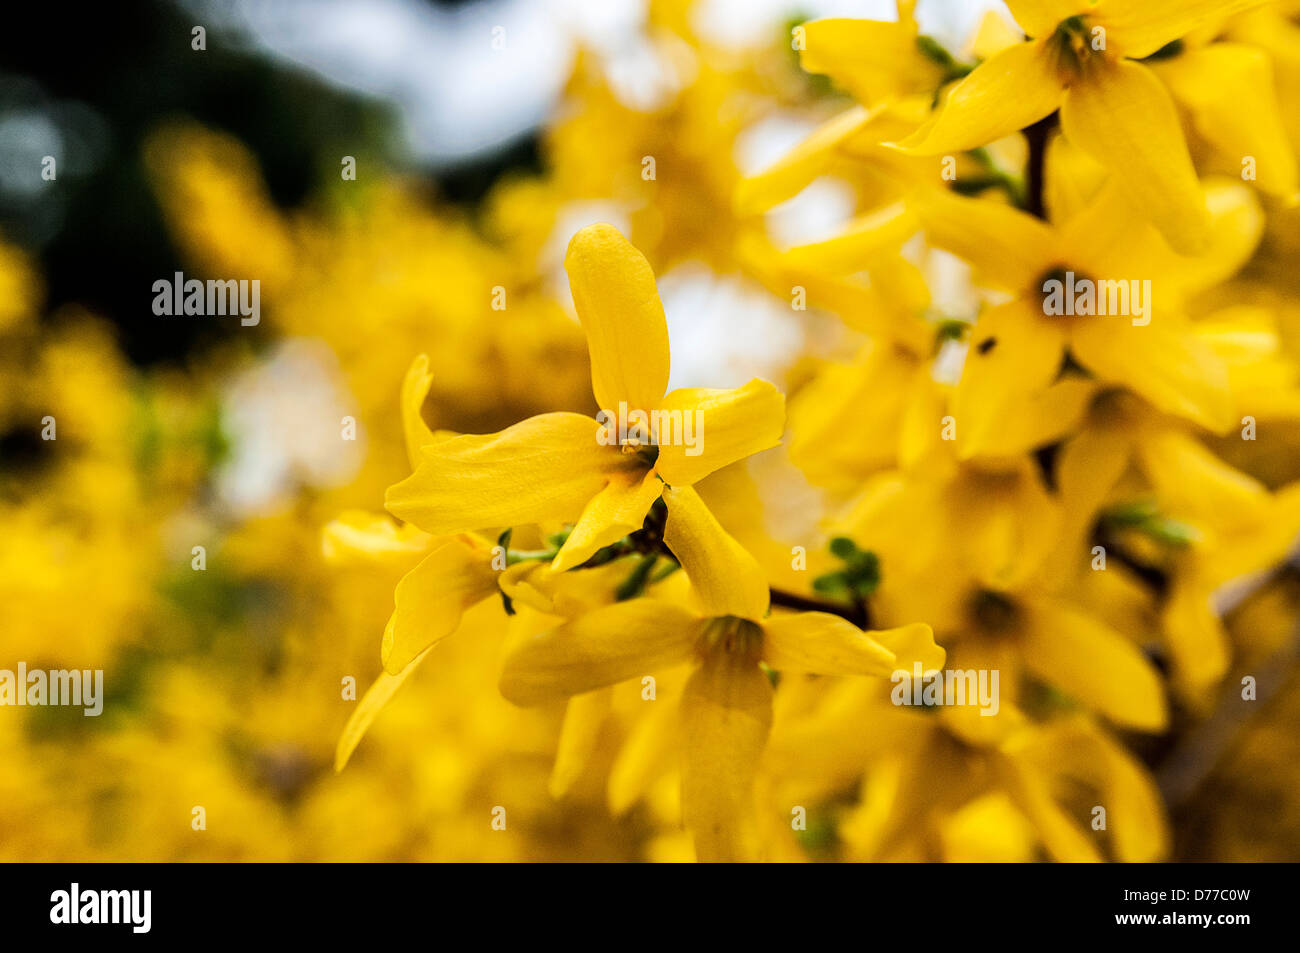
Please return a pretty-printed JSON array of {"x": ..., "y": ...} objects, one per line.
[
  {"x": 1007, "y": 92},
  {"x": 1071, "y": 178},
  {"x": 1007, "y": 247},
  {"x": 911, "y": 644},
  {"x": 1041, "y": 17},
  {"x": 584, "y": 719},
  {"x": 609, "y": 645},
  {"x": 614, "y": 512},
  {"x": 1162, "y": 361},
  {"x": 544, "y": 468},
  {"x": 704, "y": 430},
  {"x": 993, "y": 35},
  {"x": 859, "y": 244},
  {"x": 1192, "y": 483},
  {"x": 377, "y": 696},
  {"x": 357, "y": 535},
  {"x": 726, "y": 718},
  {"x": 540, "y": 586},
  {"x": 1138, "y": 28},
  {"x": 1092, "y": 662},
  {"x": 1228, "y": 87},
  {"x": 823, "y": 644},
  {"x": 1134, "y": 812},
  {"x": 875, "y": 60},
  {"x": 1063, "y": 837},
  {"x": 1121, "y": 115},
  {"x": 1198, "y": 642},
  {"x": 805, "y": 162},
  {"x": 415, "y": 388},
  {"x": 1087, "y": 469},
  {"x": 725, "y": 577},
  {"x": 1044, "y": 418},
  {"x": 432, "y": 597},
  {"x": 627, "y": 336},
  {"x": 989, "y": 829},
  {"x": 647, "y": 753},
  {"x": 1014, "y": 352}
]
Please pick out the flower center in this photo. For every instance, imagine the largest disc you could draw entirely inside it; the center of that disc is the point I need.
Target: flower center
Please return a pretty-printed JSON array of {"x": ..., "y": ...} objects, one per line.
[
  {"x": 1075, "y": 42},
  {"x": 1058, "y": 290},
  {"x": 733, "y": 636},
  {"x": 992, "y": 612}
]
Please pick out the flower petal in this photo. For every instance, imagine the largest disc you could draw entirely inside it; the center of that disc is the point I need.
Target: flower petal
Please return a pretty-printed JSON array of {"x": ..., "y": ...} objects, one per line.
[
  {"x": 820, "y": 643},
  {"x": 603, "y": 647},
  {"x": 860, "y": 244},
  {"x": 1163, "y": 361},
  {"x": 711, "y": 429},
  {"x": 911, "y": 644},
  {"x": 544, "y": 468},
  {"x": 432, "y": 597},
  {"x": 415, "y": 388},
  {"x": 1121, "y": 115},
  {"x": 1137, "y": 28},
  {"x": 1015, "y": 351},
  {"x": 1007, "y": 247},
  {"x": 376, "y": 698},
  {"x": 1007, "y": 92},
  {"x": 792, "y": 172},
  {"x": 1228, "y": 87},
  {"x": 1086, "y": 658},
  {"x": 361, "y": 536},
  {"x": 1044, "y": 418},
  {"x": 726, "y": 719},
  {"x": 727, "y": 579},
  {"x": 627, "y": 335},
  {"x": 584, "y": 718},
  {"x": 1041, "y": 17},
  {"x": 614, "y": 512},
  {"x": 648, "y": 752},
  {"x": 1063, "y": 838},
  {"x": 874, "y": 60}
]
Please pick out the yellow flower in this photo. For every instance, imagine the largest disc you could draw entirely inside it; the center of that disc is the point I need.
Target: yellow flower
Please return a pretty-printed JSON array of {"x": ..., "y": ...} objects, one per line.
[
  {"x": 1082, "y": 60},
  {"x": 995, "y": 586},
  {"x": 1018, "y": 347},
  {"x": 727, "y": 703},
  {"x": 570, "y": 468}
]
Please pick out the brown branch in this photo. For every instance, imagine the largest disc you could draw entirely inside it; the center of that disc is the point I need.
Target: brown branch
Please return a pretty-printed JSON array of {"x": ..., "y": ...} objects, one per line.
[
  {"x": 1035, "y": 203},
  {"x": 857, "y": 613}
]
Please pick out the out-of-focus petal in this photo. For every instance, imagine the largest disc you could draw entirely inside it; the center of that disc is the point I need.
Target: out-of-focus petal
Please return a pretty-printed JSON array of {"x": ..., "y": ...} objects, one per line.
[
  {"x": 725, "y": 577},
  {"x": 627, "y": 336}
]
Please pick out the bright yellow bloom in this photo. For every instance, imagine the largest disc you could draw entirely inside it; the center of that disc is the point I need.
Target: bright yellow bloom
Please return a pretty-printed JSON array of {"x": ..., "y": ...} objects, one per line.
[
  {"x": 1083, "y": 60},
  {"x": 727, "y": 704},
  {"x": 1018, "y": 348},
  {"x": 570, "y": 468}
]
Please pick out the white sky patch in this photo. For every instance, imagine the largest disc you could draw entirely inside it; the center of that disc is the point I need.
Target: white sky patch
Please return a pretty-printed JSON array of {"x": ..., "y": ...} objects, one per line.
[
  {"x": 284, "y": 418},
  {"x": 822, "y": 209},
  {"x": 569, "y": 222},
  {"x": 819, "y": 212},
  {"x": 740, "y": 24},
  {"x": 724, "y": 330},
  {"x": 771, "y": 138},
  {"x": 458, "y": 97}
]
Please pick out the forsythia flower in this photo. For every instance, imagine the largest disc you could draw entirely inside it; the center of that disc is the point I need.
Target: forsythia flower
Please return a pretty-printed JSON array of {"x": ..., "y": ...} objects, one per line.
[
  {"x": 727, "y": 703},
  {"x": 570, "y": 468},
  {"x": 1083, "y": 60}
]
